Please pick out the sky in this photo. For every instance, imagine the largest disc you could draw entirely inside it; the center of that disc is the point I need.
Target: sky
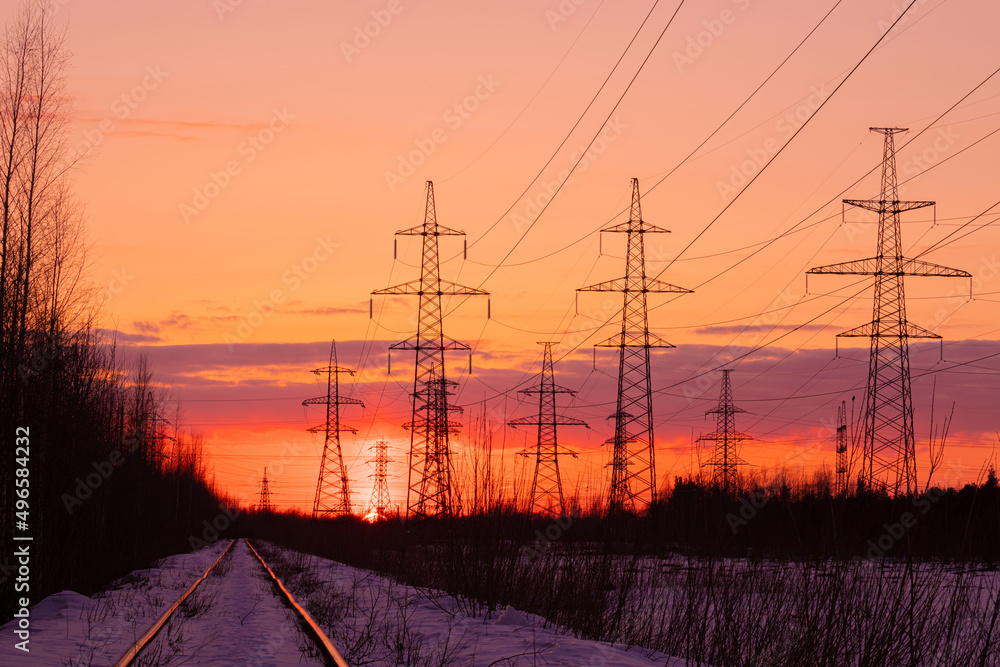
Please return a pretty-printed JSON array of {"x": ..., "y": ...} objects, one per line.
[{"x": 244, "y": 165}]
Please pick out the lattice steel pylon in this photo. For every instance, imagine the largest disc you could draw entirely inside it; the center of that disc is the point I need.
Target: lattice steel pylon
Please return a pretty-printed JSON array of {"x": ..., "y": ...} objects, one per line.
[
  {"x": 546, "y": 484},
  {"x": 888, "y": 447},
  {"x": 726, "y": 437},
  {"x": 333, "y": 490},
  {"x": 264, "y": 503},
  {"x": 843, "y": 461},
  {"x": 633, "y": 463},
  {"x": 379, "y": 502},
  {"x": 429, "y": 492}
]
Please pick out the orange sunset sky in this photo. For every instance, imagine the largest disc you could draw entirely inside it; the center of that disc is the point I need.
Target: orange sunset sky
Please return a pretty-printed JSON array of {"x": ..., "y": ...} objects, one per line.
[{"x": 245, "y": 163}]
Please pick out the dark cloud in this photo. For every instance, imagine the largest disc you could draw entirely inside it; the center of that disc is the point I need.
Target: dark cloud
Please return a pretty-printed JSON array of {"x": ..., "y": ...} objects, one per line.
[
  {"x": 790, "y": 395},
  {"x": 757, "y": 328}
]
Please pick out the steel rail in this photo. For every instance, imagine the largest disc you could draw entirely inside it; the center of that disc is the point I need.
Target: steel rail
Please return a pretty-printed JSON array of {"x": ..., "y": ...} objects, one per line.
[
  {"x": 331, "y": 654},
  {"x": 162, "y": 620}
]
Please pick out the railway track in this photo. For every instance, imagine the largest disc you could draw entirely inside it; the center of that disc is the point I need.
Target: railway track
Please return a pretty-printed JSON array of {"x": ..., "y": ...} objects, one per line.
[{"x": 326, "y": 649}]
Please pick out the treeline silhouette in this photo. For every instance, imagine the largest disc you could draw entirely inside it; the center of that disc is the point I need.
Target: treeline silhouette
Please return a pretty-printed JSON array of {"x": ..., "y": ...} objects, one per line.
[{"x": 106, "y": 490}]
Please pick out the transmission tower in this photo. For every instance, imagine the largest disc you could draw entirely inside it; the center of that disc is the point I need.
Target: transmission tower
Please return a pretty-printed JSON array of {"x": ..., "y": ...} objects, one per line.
[
  {"x": 888, "y": 449},
  {"x": 842, "y": 456},
  {"x": 379, "y": 502},
  {"x": 429, "y": 492},
  {"x": 546, "y": 485},
  {"x": 633, "y": 469},
  {"x": 264, "y": 504},
  {"x": 725, "y": 437},
  {"x": 333, "y": 492}
]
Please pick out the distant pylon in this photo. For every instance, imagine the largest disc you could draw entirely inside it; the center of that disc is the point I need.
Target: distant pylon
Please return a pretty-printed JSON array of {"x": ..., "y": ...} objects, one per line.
[
  {"x": 264, "y": 504},
  {"x": 633, "y": 464},
  {"x": 428, "y": 491},
  {"x": 842, "y": 455},
  {"x": 546, "y": 485},
  {"x": 379, "y": 503},
  {"x": 333, "y": 492},
  {"x": 725, "y": 437},
  {"x": 888, "y": 448}
]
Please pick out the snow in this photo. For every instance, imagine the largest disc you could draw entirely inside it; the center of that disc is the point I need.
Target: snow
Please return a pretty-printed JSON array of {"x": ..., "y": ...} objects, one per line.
[
  {"x": 374, "y": 620},
  {"x": 234, "y": 618},
  {"x": 71, "y": 629}
]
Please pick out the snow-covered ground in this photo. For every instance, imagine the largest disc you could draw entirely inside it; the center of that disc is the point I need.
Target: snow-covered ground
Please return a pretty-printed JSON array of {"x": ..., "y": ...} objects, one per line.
[
  {"x": 375, "y": 621},
  {"x": 234, "y": 618},
  {"x": 71, "y": 629}
]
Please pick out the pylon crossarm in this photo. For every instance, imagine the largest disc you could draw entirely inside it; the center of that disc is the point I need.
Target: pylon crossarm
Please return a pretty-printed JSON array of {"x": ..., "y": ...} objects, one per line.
[
  {"x": 414, "y": 344},
  {"x": 562, "y": 420},
  {"x": 341, "y": 400},
  {"x": 332, "y": 369},
  {"x": 719, "y": 411},
  {"x": 918, "y": 267},
  {"x": 437, "y": 230},
  {"x": 559, "y": 421},
  {"x": 870, "y": 330},
  {"x": 549, "y": 389},
  {"x": 659, "y": 286},
  {"x": 322, "y": 429},
  {"x": 421, "y": 424},
  {"x": 883, "y": 206},
  {"x": 444, "y": 288},
  {"x": 904, "y": 266},
  {"x": 616, "y": 285},
  {"x": 857, "y": 267},
  {"x": 635, "y": 339},
  {"x": 643, "y": 228},
  {"x": 622, "y": 285},
  {"x": 733, "y": 436}
]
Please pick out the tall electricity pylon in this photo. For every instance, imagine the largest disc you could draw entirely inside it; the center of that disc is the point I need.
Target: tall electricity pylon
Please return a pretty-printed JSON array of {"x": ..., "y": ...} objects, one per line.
[
  {"x": 546, "y": 485},
  {"x": 264, "y": 504},
  {"x": 843, "y": 462},
  {"x": 428, "y": 491},
  {"x": 333, "y": 491},
  {"x": 888, "y": 449},
  {"x": 725, "y": 437},
  {"x": 633, "y": 463},
  {"x": 379, "y": 503}
]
